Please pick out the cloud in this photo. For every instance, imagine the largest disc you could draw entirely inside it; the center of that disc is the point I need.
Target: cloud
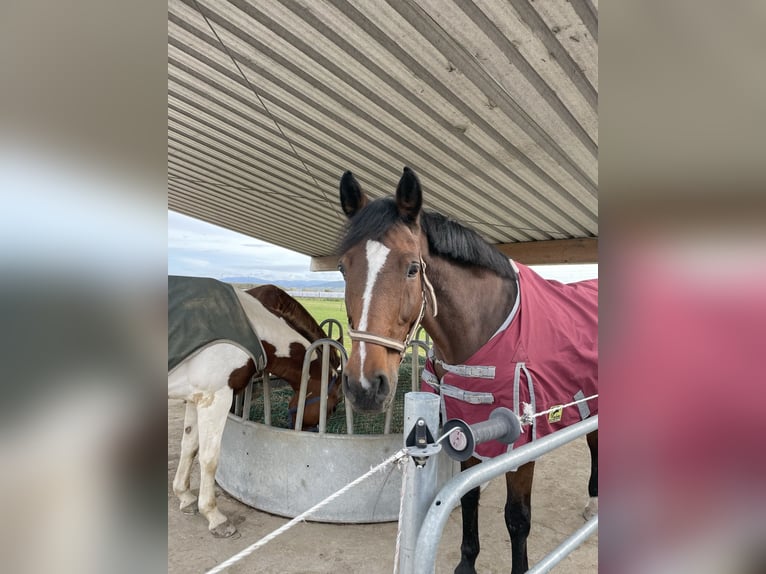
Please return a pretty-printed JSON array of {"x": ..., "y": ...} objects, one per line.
[{"x": 199, "y": 248}]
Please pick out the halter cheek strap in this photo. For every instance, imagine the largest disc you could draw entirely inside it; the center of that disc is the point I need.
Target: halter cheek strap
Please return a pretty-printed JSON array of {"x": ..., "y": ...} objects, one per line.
[{"x": 426, "y": 292}]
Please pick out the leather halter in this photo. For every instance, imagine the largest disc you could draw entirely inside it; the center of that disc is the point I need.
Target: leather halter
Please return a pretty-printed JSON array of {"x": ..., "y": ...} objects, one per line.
[
  {"x": 293, "y": 411},
  {"x": 388, "y": 342}
]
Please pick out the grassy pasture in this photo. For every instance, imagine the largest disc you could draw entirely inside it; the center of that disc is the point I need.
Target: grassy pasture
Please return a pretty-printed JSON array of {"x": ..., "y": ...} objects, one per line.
[{"x": 322, "y": 309}]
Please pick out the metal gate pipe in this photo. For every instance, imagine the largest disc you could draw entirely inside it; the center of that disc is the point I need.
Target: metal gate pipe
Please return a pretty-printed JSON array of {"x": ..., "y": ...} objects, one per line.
[
  {"x": 324, "y": 388},
  {"x": 266, "y": 399},
  {"x": 420, "y": 479},
  {"x": 449, "y": 496},
  {"x": 563, "y": 549},
  {"x": 415, "y": 346},
  {"x": 325, "y": 344}
]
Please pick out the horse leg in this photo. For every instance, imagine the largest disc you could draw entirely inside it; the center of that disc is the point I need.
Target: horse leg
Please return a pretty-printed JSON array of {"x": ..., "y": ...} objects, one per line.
[
  {"x": 591, "y": 509},
  {"x": 469, "y": 506},
  {"x": 518, "y": 514},
  {"x": 212, "y": 419},
  {"x": 189, "y": 448}
]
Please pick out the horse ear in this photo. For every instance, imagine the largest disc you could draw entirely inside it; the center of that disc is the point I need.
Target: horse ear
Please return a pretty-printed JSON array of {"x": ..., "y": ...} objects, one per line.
[
  {"x": 352, "y": 198},
  {"x": 409, "y": 196}
]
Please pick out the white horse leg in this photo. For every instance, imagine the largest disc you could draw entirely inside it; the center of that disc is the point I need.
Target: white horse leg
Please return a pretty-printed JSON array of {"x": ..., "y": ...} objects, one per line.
[
  {"x": 211, "y": 419},
  {"x": 189, "y": 448}
]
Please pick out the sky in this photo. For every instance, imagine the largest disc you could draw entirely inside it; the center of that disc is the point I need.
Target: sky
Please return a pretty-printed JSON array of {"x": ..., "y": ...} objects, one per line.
[{"x": 200, "y": 249}]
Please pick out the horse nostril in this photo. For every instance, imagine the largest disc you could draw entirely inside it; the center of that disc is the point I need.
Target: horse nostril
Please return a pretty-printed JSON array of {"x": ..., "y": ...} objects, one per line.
[{"x": 380, "y": 384}]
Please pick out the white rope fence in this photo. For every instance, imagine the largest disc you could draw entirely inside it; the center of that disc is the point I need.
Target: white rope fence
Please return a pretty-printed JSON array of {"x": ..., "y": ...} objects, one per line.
[
  {"x": 281, "y": 530},
  {"x": 526, "y": 418},
  {"x": 528, "y": 415}
]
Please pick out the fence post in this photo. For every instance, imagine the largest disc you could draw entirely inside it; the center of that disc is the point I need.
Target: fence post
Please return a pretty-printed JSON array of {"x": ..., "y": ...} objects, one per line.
[{"x": 420, "y": 475}]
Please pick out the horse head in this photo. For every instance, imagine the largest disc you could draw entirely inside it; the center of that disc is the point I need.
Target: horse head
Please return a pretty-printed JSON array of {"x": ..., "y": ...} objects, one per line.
[
  {"x": 312, "y": 411},
  {"x": 381, "y": 259},
  {"x": 289, "y": 365}
]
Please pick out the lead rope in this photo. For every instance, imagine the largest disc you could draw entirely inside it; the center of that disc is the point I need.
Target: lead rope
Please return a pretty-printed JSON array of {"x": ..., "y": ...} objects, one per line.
[
  {"x": 403, "y": 463},
  {"x": 430, "y": 288},
  {"x": 427, "y": 289}
]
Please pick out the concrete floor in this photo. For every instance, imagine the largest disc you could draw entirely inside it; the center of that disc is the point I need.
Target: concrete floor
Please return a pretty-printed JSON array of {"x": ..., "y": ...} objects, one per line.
[{"x": 559, "y": 495}]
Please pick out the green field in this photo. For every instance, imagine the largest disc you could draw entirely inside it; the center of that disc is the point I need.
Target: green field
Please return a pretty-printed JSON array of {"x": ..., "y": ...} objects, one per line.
[{"x": 322, "y": 309}]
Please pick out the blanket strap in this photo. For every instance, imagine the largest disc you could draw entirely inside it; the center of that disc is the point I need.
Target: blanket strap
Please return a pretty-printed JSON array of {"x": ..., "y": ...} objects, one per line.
[{"x": 469, "y": 371}]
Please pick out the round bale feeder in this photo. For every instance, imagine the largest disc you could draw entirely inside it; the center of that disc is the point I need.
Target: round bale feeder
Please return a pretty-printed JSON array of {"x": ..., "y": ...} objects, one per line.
[{"x": 285, "y": 471}]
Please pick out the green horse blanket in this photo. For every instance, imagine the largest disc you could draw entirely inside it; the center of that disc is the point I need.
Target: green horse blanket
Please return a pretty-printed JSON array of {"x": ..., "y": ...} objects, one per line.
[{"x": 202, "y": 311}]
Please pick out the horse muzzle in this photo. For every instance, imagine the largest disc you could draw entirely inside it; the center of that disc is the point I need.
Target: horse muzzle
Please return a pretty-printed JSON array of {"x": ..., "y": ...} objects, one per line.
[{"x": 369, "y": 395}]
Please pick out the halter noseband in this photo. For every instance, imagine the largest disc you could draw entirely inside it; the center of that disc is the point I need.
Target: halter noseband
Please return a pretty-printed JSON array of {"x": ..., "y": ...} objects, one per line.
[
  {"x": 293, "y": 411},
  {"x": 367, "y": 337}
]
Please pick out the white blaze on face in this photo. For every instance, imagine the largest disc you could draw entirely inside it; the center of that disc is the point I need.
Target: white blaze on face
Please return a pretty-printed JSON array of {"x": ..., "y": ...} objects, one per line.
[{"x": 376, "y": 258}]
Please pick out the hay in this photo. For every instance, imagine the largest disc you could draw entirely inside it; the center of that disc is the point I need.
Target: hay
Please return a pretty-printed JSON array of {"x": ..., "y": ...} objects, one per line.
[{"x": 281, "y": 394}]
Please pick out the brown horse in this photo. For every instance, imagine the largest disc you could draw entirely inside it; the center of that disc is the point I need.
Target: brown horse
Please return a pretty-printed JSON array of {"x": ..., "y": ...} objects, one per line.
[
  {"x": 403, "y": 266},
  {"x": 212, "y": 374},
  {"x": 289, "y": 368}
]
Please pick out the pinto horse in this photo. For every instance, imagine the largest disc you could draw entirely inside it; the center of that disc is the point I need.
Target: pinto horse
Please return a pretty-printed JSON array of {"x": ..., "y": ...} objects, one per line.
[
  {"x": 403, "y": 267},
  {"x": 218, "y": 364}
]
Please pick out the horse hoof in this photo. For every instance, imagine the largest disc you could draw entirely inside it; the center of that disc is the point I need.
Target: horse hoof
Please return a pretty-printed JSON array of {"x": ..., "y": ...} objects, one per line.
[
  {"x": 591, "y": 509},
  {"x": 190, "y": 508},
  {"x": 223, "y": 530}
]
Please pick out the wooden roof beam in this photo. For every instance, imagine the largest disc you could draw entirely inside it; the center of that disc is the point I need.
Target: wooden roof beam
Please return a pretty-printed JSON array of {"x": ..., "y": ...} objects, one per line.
[{"x": 554, "y": 252}]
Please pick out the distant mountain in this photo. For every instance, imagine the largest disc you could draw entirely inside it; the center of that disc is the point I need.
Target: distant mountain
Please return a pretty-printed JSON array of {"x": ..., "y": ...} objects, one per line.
[{"x": 289, "y": 283}]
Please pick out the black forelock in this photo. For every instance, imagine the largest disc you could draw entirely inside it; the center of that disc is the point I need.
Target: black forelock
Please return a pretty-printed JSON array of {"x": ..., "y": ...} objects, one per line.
[
  {"x": 446, "y": 238},
  {"x": 371, "y": 223}
]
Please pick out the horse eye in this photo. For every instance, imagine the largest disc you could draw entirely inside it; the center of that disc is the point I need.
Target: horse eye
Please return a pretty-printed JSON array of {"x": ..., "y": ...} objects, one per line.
[
  {"x": 342, "y": 269},
  {"x": 413, "y": 270}
]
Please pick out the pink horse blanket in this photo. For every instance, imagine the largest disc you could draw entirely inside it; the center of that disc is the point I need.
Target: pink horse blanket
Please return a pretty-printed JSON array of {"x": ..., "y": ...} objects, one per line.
[{"x": 545, "y": 354}]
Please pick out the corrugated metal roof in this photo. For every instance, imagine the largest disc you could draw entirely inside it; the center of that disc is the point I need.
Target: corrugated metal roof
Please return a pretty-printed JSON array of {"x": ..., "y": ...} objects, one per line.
[{"x": 493, "y": 104}]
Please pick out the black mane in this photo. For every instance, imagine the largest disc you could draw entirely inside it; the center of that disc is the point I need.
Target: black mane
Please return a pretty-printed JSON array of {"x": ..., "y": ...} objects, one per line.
[
  {"x": 371, "y": 222},
  {"x": 446, "y": 238}
]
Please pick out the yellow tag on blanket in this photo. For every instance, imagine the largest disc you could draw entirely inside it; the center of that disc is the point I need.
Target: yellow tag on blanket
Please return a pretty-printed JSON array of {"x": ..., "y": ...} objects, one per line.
[{"x": 555, "y": 415}]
